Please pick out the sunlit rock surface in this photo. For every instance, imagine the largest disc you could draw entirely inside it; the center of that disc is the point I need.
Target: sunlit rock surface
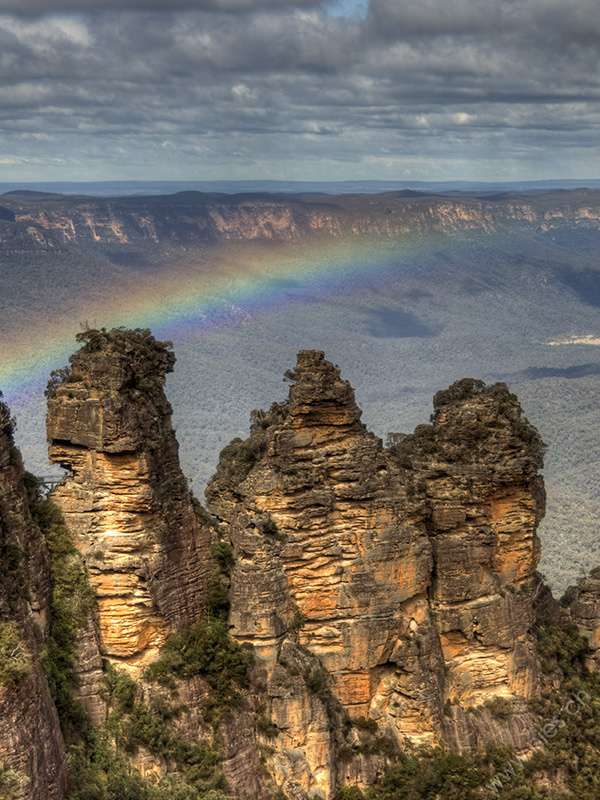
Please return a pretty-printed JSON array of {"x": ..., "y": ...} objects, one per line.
[
  {"x": 125, "y": 498},
  {"x": 407, "y": 572}
]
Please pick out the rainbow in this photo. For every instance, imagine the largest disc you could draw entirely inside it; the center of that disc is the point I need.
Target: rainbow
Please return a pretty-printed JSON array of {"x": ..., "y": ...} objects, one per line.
[{"x": 213, "y": 290}]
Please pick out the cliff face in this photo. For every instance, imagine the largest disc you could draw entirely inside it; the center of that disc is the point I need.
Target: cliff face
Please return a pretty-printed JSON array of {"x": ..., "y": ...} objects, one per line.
[
  {"x": 31, "y": 745},
  {"x": 129, "y": 510},
  {"x": 584, "y": 610},
  {"x": 477, "y": 467},
  {"x": 406, "y": 573},
  {"x": 188, "y": 217},
  {"x": 125, "y": 498}
]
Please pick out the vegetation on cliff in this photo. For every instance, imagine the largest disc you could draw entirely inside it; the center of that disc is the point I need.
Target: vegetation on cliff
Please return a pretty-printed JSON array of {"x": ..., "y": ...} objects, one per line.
[
  {"x": 102, "y": 758},
  {"x": 562, "y": 764},
  {"x": 208, "y": 650},
  {"x": 240, "y": 456},
  {"x": 142, "y": 718},
  {"x": 15, "y": 658},
  {"x": 469, "y": 421},
  {"x": 147, "y": 359},
  {"x": 7, "y": 421},
  {"x": 73, "y": 600}
]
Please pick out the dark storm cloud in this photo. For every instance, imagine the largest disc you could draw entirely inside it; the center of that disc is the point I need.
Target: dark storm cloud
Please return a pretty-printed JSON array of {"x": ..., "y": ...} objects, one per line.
[
  {"x": 544, "y": 22},
  {"x": 394, "y": 19},
  {"x": 37, "y": 7},
  {"x": 431, "y": 85}
]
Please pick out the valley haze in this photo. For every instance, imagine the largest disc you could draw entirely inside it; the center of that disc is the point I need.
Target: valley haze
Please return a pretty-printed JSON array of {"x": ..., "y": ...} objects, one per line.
[{"x": 427, "y": 285}]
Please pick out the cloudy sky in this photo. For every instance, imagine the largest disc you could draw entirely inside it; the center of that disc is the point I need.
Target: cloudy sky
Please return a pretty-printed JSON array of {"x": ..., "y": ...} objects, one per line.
[{"x": 299, "y": 89}]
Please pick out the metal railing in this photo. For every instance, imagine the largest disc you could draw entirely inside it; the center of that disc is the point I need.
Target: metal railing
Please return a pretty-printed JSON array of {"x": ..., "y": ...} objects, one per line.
[{"x": 49, "y": 482}]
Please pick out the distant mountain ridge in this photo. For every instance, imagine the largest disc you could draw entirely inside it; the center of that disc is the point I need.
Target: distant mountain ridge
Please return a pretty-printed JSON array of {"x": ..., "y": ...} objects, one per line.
[
  {"x": 114, "y": 188},
  {"x": 191, "y": 216}
]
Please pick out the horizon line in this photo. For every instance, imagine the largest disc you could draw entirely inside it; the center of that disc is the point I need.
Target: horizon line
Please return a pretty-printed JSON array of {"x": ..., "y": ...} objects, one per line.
[{"x": 291, "y": 186}]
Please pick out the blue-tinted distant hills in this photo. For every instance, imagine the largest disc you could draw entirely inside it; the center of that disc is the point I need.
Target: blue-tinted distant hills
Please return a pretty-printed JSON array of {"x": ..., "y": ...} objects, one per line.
[{"x": 119, "y": 188}]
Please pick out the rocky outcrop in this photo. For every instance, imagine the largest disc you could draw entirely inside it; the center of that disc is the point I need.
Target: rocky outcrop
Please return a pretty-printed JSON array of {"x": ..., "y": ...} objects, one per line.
[
  {"x": 125, "y": 499},
  {"x": 148, "y": 557},
  {"x": 396, "y": 584},
  {"x": 387, "y": 592},
  {"x": 477, "y": 468},
  {"x": 31, "y": 745}
]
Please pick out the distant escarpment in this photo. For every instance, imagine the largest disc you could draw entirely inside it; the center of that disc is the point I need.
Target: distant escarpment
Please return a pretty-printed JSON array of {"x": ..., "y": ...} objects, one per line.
[{"x": 193, "y": 217}]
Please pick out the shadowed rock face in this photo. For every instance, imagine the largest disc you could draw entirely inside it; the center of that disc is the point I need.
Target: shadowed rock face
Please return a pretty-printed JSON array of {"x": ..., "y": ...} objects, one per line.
[
  {"x": 584, "y": 609},
  {"x": 31, "y": 744},
  {"x": 125, "y": 499},
  {"x": 408, "y": 572}
]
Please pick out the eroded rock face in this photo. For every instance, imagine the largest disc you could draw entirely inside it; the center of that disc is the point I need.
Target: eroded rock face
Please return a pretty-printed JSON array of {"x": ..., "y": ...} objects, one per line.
[
  {"x": 386, "y": 591},
  {"x": 584, "y": 610},
  {"x": 477, "y": 466},
  {"x": 125, "y": 499},
  {"x": 31, "y": 744},
  {"x": 406, "y": 572}
]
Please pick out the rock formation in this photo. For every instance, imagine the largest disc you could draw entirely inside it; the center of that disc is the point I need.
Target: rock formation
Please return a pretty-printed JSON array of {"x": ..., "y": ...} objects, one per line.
[
  {"x": 31, "y": 745},
  {"x": 125, "y": 498},
  {"x": 407, "y": 573},
  {"x": 387, "y": 593},
  {"x": 148, "y": 556}
]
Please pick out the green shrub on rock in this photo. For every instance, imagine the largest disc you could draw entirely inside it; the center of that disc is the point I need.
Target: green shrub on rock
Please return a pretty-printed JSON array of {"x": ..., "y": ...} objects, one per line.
[
  {"x": 15, "y": 660},
  {"x": 205, "y": 649}
]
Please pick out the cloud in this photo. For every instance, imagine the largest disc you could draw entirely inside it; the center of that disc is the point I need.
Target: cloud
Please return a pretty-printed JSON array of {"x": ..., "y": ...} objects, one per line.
[
  {"x": 37, "y": 7},
  {"x": 206, "y": 90},
  {"x": 407, "y": 18}
]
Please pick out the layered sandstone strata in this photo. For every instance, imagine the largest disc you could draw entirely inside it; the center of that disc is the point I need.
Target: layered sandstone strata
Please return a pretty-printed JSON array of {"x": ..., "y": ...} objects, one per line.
[
  {"x": 407, "y": 573},
  {"x": 31, "y": 745},
  {"x": 125, "y": 498},
  {"x": 477, "y": 466}
]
